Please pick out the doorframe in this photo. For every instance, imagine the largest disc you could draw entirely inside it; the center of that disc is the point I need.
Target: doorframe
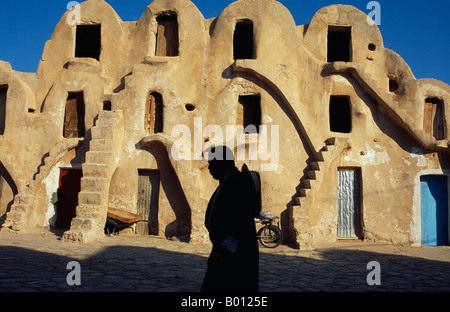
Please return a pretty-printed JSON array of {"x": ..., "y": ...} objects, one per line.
[
  {"x": 416, "y": 224},
  {"x": 360, "y": 235},
  {"x": 66, "y": 168},
  {"x": 158, "y": 171}
]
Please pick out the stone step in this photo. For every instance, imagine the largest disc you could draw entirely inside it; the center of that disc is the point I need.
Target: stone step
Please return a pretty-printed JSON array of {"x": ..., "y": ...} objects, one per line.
[
  {"x": 107, "y": 115},
  {"x": 311, "y": 174},
  {"x": 308, "y": 183},
  {"x": 82, "y": 224},
  {"x": 106, "y": 121},
  {"x": 91, "y": 211},
  {"x": 315, "y": 165},
  {"x": 99, "y": 157},
  {"x": 92, "y": 184},
  {"x": 102, "y": 132},
  {"x": 304, "y": 192},
  {"x": 24, "y": 199},
  {"x": 22, "y": 208},
  {"x": 330, "y": 141},
  {"x": 90, "y": 198},
  {"x": 298, "y": 201},
  {"x": 16, "y": 216},
  {"x": 101, "y": 145},
  {"x": 94, "y": 170}
]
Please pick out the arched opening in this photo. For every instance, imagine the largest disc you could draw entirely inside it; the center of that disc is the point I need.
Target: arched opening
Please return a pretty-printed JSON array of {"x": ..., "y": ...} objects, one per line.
[
  {"x": 170, "y": 185},
  {"x": 154, "y": 109}
]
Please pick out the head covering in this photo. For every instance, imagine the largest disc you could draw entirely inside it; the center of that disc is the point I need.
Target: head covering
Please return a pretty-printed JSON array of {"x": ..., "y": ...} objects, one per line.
[{"x": 219, "y": 153}]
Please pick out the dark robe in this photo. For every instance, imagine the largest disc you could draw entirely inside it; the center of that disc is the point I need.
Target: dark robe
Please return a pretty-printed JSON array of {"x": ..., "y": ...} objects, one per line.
[{"x": 230, "y": 217}]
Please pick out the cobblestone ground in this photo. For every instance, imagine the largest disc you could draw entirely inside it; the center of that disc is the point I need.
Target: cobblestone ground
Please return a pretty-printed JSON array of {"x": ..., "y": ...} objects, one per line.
[{"x": 38, "y": 263}]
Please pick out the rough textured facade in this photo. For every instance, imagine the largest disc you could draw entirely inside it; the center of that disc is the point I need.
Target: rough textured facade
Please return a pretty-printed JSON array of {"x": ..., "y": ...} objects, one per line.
[{"x": 96, "y": 122}]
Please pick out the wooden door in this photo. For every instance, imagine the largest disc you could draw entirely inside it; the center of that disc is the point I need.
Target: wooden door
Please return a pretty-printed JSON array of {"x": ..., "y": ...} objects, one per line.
[
  {"x": 167, "y": 36},
  {"x": 148, "y": 202},
  {"x": 154, "y": 113},
  {"x": 433, "y": 123}
]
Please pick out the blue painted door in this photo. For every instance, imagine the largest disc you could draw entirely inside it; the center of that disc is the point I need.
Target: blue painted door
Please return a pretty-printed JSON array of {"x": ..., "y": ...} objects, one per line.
[{"x": 434, "y": 210}]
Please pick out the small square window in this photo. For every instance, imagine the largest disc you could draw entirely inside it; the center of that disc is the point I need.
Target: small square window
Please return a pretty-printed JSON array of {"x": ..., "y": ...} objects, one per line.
[{"x": 249, "y": 113}]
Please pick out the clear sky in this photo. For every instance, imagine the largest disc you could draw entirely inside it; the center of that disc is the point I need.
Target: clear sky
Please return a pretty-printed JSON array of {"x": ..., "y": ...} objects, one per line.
[{"x": 418, "y": 30}]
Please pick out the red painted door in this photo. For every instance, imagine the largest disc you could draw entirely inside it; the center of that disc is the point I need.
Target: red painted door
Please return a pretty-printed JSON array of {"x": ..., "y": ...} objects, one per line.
[{"x": 69, "y": 187}]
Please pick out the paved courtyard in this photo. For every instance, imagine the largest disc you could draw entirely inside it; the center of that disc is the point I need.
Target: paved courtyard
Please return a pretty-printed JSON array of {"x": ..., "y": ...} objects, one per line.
[{"x": 39, "y": 263}]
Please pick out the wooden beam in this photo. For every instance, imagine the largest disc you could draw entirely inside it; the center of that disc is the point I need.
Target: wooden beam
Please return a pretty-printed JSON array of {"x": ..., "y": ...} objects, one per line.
[{"x": 123, "y": 216}]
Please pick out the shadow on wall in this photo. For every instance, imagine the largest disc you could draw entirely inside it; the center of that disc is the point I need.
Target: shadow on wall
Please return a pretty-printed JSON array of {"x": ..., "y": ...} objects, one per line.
[
  {"x": 181, "y": 227},
  {"x": 138, "y": 269},
  {"x": 8, "y": 190}
]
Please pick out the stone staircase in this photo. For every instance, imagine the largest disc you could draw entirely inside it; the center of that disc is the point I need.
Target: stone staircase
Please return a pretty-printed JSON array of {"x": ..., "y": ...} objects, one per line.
[
  {"x": 23, "y": 204},
  {"x": 308, "y": 190},
  {"x": 16, "y": 217},
  {"x": 98, "y": 168}
]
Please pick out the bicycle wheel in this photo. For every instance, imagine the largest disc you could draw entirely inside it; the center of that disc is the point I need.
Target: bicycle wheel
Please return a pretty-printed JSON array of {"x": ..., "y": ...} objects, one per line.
[{"x": 270, "y": 236}]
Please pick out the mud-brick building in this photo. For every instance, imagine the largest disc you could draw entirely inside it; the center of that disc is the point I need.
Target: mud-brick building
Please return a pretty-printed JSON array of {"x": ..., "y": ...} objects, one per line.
[{"x": 359, "y": 146}]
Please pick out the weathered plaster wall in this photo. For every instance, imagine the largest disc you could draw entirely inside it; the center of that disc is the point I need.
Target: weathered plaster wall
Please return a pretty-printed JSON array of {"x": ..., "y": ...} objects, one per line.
[{"x": 200, "y": 88}]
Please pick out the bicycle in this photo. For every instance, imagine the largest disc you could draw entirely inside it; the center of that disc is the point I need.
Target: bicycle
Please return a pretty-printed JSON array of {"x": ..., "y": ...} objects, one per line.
[{"x": 269, "y": 235}]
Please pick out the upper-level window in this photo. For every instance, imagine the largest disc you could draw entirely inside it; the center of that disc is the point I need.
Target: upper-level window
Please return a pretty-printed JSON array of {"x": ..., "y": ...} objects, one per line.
[
  {"x": 88, "y": 41},
  {"x": 154, "y": 113},
  {"x": 74, "y": 116},
  {"x": 339, "y": 43},
  {"x": 167, "y": 42},
  {"x": 434, "y": 121},
  {"x": 340, "y": 114},
  {"x": 243, "y": 42},
  {"x": 249, "y": 113},
  {"x": 3, "y": 92}
]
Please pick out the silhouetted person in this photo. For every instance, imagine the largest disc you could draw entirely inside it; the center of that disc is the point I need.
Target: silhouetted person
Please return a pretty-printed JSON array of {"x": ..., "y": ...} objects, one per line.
[{"x": 234, "y": 259}]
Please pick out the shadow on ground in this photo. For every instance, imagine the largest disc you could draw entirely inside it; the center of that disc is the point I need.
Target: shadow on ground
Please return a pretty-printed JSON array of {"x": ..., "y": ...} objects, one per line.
[{"x": 148, "y": 269}]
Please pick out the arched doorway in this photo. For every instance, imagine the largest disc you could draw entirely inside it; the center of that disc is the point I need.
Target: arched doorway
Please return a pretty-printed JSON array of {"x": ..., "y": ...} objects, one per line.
[{"x": 164, "y": 180}]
